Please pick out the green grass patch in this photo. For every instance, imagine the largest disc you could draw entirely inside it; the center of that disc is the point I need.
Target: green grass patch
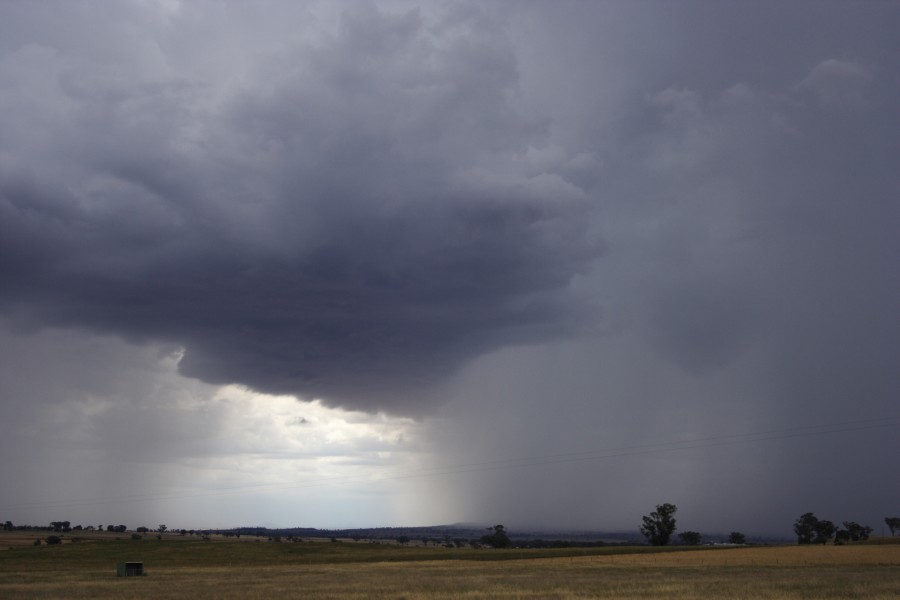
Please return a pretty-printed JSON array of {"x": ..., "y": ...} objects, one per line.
[{"x": 184, "y": 553}]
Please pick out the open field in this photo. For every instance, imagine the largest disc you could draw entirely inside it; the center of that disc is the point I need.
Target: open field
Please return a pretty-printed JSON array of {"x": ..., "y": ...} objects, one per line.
[{"x": 196, "y": 569}]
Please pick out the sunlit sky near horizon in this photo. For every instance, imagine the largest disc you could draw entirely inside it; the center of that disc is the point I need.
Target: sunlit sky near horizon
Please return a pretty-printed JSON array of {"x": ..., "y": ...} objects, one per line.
[{"x": 359, "y": 264}]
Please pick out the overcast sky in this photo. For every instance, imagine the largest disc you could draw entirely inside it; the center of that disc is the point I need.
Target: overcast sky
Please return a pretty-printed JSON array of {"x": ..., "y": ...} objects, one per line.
[{"x": 547, "y": 264}]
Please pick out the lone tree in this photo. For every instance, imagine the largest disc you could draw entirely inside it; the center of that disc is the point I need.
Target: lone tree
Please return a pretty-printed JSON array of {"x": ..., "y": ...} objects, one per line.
[
  {"x": 736, "y": 537},
  {"x": 690, "y": 538},
  {"x": 893, "y": 524},
  {"x": 497, "y": 539},
  {"x": 659, "y": 525}
]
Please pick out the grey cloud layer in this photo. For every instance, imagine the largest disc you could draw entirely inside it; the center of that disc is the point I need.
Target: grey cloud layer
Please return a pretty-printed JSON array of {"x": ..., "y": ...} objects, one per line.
[
  {"x": 749, "y": 286},
  {"x": 409, "y": 210},
  {"x": 352, "y": 216},
  {"x": 749, "y": 201}
]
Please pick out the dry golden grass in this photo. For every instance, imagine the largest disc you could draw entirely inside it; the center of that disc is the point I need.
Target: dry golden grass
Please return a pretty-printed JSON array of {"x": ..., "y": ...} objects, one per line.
[
  {"x": 764, "y": 556},
  {"x": 778, "y": 573}
]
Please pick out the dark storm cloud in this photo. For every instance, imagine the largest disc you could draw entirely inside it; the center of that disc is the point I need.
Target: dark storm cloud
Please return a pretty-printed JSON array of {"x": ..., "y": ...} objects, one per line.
[
  {"x": 351, "y": 216},
  {"x": 749, "y": 201},
  {"x": 405, "y": 210}
]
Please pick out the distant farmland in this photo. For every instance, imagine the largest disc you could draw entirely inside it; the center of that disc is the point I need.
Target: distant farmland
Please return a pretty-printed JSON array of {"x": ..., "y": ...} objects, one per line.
[{"x": 182, "y": 568}]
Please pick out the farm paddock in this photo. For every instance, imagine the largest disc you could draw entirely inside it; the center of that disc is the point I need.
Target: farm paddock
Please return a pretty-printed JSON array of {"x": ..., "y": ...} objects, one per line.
[{"x": 198, "y": 570}]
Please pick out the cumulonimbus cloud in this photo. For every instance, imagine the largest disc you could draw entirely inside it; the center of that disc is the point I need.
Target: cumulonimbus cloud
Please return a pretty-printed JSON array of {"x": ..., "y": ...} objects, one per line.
[{"x": 351, "y": 217}]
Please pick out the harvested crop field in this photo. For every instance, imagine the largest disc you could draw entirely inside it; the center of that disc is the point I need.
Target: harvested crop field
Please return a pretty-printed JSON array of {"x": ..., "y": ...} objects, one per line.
[{"x": 322, "y": 570}]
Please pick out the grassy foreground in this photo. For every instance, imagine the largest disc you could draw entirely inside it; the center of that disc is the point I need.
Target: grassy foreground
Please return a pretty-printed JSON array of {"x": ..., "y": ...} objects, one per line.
[{"x": 197, "y": 570}]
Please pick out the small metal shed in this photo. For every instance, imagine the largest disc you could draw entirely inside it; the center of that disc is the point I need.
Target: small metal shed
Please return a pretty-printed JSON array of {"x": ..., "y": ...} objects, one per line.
[{"x": 129, "y": 569}]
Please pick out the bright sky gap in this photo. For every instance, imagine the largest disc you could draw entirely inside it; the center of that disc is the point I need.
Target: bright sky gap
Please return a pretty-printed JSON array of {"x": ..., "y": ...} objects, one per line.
[{"x": 606, "y": 454}]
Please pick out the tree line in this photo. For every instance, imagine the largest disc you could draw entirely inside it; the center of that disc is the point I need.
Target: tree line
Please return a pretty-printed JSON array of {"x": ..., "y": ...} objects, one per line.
[
  {"x": 67, "y": 527},
  {"x": 812, "y": 530},
  {"x": 659, "y": 526}
]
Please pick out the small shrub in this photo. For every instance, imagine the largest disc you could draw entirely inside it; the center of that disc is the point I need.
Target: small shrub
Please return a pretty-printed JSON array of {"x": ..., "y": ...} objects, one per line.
[{"x": 53, "y": 540}]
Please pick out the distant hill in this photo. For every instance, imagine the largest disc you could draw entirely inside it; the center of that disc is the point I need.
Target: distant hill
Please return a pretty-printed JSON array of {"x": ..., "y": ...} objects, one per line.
[
  {"x": 470, "y": 532},
  {"x": 441, "y": 533}
]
